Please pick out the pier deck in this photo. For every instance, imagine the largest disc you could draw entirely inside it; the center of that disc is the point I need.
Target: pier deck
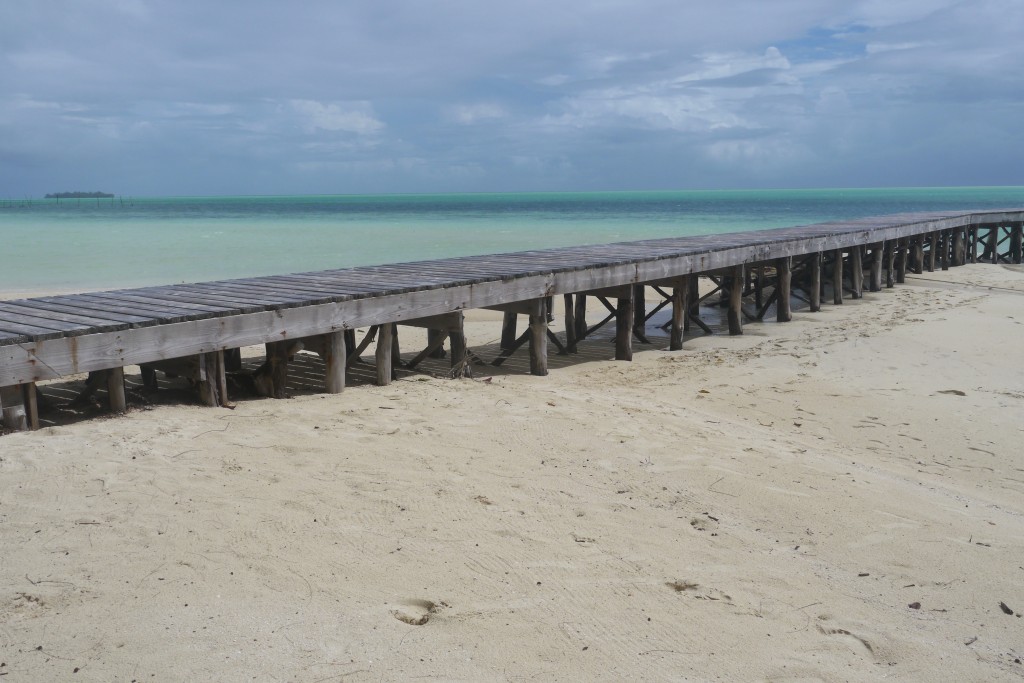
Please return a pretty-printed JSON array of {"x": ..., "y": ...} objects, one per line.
[{"x": 193, "y": 325}]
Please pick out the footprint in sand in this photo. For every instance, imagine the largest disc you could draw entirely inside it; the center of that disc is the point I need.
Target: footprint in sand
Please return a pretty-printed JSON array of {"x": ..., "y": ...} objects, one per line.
[{"x": 414, "y": 612}]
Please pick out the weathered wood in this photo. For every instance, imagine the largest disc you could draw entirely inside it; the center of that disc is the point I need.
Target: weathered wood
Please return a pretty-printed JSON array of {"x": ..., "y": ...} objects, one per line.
[
  {"x": 680, "y": 298},
  {"x": 30, "y": 396},
  {"x": 815, "y": 291},
  {"x": 856, "y": 272},
  {"x": 13, "y": 408},
  {"x": 334, "y": 361},
  {"x": 958, "y": 247},
  {"x": 438, "y": 349},
  {"x": 508, "y": 330},
  {"x": 783, "y": 274},
  {"x": 944, "y": 250},
  {"x": 639, "y": 307},
  {"x": 115, "y": 390},
  {"x": 934, "y": 251},
  {"x": 918, "y": 249},
  {"x": 736, "y": 300},
  {"x": 385, "y": 371},
  {"x": 992, "y": 248},
  {"x": 539, "y": 338},
  {"x": 570, "y": 323},
  {"x": 875, "y": 279},
  {"x": 624, "y": 327},
  {"x": 837, "y": 276},
  {"x": 901, "y": 261},
  {"x": 1017, "y": 243},
  {"x": 460, "y": 358},
  {"x": 581, "y": 317},
  {"x": 212, "y": 385}
]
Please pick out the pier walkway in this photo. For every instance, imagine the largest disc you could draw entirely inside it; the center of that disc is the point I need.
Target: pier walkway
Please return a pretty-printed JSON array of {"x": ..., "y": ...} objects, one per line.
[{"x": 194, "y": 330}]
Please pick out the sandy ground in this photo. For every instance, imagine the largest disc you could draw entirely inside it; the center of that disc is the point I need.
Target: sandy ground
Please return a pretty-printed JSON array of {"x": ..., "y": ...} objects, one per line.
[{"x": 840, "y": 498}]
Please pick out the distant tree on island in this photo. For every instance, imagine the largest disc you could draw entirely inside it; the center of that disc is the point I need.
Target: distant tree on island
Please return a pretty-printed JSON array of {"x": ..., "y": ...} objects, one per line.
[{"x": 79, "y": 195}]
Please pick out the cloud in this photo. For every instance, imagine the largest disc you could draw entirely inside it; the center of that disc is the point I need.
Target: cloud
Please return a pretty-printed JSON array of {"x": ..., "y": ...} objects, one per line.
[
  {"x": 249, "y": 96},
  {"x": 348, "y": 117}
]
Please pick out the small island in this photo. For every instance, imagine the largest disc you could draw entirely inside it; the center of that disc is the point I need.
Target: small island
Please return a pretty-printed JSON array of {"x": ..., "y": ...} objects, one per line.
[{"x": 79, "y": 195}]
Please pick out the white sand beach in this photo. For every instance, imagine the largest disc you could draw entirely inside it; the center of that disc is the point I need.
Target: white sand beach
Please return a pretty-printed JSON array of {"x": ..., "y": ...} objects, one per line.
[{"x": 839, "y": 498}]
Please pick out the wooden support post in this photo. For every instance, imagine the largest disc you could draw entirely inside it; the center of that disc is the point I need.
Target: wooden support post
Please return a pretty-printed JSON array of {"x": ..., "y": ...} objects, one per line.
[
  {"x": 385, "y": 348},
  {"x": 918, "y": 247},
  {"x": 13, "y": 409},
  {"x": 856, "y": 272},
  {"x": 461, "y": 365},
  {"x": 875, "y": 281},
  {"x": 958, "y": 247},
  {"x": 276, "y": 368},
  {"x": 993, "y": 243},
  {"x": 736, "y": 300},
  {"x": 1017, "y": 243},
  {"x": 972, "y": 244},
  {"x": 933, "y": 252},
  {"x": 784, "y": 275},
  {"x": 581, "y": 317},
  {"x": 570, "y": 324},
  {"x": 680, "y": 299},
  {"x": 624, "y": 327},
  {"x": 334, "y": 361},
  {"x": 944, "y": 250},
  {"x": 508, "y": 330},
  {"x": 901, "y": 261},
  {"x": 693, "y": 303},
  {"x": 640, "y": 307},
  {"x": 837, "y": 277},
  {"x": 538, "y": 338},
  {"x": 432, "y": 335},
  {"x": 115, "y": 390},
  {"x": 815, "y": 266},
  {"x": 213, "y": 385},
  {"x": 890, "y": 264},
  {"x": 233, "y": 360},
  {"x": 31, "y": 402}
]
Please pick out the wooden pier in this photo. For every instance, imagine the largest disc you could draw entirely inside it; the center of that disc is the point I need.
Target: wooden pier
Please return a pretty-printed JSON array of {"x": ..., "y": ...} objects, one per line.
[{"x": 195, "y": 330}]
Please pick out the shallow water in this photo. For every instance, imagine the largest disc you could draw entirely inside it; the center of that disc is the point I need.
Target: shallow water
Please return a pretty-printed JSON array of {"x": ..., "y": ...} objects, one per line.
[{"x": 71, "y": 245}]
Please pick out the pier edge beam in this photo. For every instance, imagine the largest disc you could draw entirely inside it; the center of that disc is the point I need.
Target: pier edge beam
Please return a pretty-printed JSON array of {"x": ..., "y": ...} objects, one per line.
[
  {"x": 784, "y": 275},
  {"x": 14, "y": 414},
  {"x": 538, "y": 337},
  {"x": 815, "y": 293},
  {"x": 334, "y": 361},
  {"x": 736, "y": 300}
]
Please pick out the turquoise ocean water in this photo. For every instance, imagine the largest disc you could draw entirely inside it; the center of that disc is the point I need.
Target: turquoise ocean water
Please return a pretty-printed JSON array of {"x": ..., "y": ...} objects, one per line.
[{"x": 78, "y": 245}]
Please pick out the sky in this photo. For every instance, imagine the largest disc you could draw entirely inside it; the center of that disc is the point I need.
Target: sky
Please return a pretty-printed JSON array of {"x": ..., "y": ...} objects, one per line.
[{"x": 192, "y": 97}]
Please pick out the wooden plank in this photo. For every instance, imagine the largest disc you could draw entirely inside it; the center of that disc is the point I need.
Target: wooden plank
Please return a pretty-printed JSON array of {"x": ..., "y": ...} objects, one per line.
[{"x": 78, "y": 314}]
